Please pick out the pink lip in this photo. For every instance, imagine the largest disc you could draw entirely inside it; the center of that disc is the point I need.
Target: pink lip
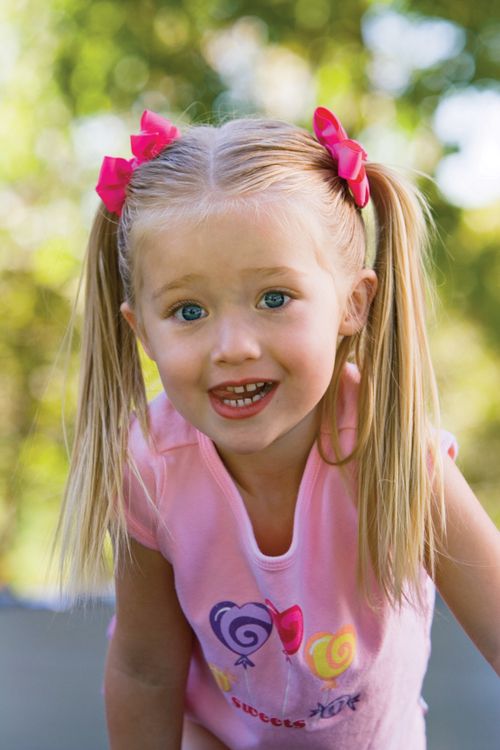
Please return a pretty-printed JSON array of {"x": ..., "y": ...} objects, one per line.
[{"x": 240, "y": 412}]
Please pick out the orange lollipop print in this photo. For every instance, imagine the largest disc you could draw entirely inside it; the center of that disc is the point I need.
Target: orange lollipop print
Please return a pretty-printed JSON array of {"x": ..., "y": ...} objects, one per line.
[{"x": 328, "y": 655}]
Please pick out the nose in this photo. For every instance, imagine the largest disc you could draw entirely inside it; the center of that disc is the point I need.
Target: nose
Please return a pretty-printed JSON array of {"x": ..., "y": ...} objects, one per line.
[{"x": 235, "y": 341}]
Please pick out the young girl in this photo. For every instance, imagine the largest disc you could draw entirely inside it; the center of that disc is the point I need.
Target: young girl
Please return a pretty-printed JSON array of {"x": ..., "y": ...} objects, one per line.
[{"x": 278, "y": 512}]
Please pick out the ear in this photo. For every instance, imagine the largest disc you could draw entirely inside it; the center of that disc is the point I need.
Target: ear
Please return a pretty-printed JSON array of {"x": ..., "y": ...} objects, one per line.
[
  {"x": 132, "y": 319},
  {"x": 358, "y": 302}
]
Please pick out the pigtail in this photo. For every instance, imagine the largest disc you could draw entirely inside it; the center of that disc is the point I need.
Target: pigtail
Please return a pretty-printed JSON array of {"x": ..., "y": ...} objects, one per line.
[
  {"x": 398, "y": 442},
  {"x": 111, "y": 383}
]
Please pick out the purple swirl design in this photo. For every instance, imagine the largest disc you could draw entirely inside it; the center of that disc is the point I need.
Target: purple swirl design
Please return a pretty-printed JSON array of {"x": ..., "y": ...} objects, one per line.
[{"x": 242, "y": 630}]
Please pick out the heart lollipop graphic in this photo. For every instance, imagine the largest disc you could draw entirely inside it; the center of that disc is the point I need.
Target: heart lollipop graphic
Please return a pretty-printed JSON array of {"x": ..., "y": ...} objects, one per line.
[
  {"x": 243, "y": 629},
  {"x": 290, "y": 626},
  {"x": 329, "y": 654}
]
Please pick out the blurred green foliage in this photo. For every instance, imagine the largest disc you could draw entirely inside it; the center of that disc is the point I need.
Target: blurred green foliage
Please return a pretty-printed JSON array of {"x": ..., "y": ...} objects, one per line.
[{"x": 64, "y": 63}]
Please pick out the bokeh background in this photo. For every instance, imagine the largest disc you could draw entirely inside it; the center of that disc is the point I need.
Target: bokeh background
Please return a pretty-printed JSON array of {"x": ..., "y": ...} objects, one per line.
[{"x": 416, "y": 82}]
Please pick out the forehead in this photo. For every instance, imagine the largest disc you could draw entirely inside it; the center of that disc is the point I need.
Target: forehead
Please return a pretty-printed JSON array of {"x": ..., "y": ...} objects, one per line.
[{"x": 241, "y": 236}]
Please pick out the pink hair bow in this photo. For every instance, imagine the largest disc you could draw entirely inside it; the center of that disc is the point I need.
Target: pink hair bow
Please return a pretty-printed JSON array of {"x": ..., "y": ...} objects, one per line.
[
  {"x": 156, "y": 134},
  {"x": 349, "y": 155}
]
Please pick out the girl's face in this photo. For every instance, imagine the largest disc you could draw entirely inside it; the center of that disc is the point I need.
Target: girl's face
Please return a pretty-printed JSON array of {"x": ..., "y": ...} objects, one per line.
[{"x": 242, "y": 318}]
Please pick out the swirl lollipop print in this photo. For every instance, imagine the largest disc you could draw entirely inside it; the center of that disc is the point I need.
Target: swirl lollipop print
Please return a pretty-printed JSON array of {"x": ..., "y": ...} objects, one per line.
[
  {"x": 242, "y": 630},
  {"x": 328, "y": 655}
]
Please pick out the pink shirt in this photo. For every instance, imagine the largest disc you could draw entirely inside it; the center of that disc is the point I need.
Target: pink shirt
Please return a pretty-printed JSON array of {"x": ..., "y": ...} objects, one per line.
[{"x": 287, "y": 654}]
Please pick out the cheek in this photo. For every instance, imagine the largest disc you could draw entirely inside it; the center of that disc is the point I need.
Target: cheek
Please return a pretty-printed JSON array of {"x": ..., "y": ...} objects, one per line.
[
  {"x": 311, "y": 355},
  {"x": 317, "y": 337},
  {"x": 177, "y": 362}
]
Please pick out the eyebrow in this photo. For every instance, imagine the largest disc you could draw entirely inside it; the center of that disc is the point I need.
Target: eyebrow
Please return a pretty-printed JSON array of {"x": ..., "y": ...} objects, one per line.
[
  {"x": 273, "y": 271},
  {"x": 194, "y": 278},
  {"x": 180, "y": 283}
]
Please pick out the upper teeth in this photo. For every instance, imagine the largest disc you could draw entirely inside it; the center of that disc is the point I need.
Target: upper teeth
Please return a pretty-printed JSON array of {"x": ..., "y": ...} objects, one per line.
[{"x": 249, "y": 387}]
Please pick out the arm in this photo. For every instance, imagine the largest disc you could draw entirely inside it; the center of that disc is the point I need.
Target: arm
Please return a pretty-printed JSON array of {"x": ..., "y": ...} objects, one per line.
[
  {"x": 468, "y": 573},
  {"x": 148, "y": 658}
]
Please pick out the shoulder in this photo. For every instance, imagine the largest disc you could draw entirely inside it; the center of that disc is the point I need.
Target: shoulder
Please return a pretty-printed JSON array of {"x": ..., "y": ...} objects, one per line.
[
  {"x": 168, "y": 430},
  {"x": 348, "y": 396},
  {"x": 346, "y": 407},
  {"x": 344, "y": 416},
  {"x": 146, "y": 471},
  {"x": 168, "y": 433}
]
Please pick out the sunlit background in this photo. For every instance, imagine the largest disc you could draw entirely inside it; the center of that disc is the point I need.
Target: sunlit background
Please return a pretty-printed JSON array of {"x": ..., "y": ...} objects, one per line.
[{"x": 416, "y": 83}]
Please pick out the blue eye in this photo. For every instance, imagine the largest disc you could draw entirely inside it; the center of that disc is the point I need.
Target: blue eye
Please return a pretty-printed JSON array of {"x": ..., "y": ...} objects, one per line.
[
  {"x": 189, "y": 312},
  {"x": 274, "y": 299}
]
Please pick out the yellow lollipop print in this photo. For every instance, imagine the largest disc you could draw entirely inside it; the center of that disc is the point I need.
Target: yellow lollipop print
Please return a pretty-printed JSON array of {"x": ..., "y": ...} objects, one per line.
[
  {"x": 329, "y": 654},
  {"x": 222, "y": 678}
]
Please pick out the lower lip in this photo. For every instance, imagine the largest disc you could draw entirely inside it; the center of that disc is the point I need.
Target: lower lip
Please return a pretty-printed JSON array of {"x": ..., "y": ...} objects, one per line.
[{"x": 241, "y": 412}]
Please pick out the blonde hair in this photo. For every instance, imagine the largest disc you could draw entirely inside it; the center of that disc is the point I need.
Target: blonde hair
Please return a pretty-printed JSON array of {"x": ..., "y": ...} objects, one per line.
[{"x": 247, "y": 162}]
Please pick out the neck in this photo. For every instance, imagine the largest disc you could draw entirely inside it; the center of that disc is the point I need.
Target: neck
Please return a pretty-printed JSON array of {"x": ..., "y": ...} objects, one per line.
[{"x": 276, "y": 472}]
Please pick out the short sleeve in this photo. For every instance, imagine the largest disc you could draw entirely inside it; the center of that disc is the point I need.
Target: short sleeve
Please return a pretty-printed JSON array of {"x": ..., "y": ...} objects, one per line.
[
  {"x": 141, "y": 492},
  {"x": 448, "y": 444}
]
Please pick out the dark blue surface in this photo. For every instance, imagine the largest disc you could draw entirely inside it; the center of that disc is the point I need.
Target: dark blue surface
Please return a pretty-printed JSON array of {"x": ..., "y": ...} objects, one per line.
[{"x": 51, "y": 667}]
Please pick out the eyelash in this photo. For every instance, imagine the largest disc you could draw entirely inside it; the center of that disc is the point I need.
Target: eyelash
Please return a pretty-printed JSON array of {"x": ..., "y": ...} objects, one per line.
[
  {"x": 283, "y": 292},
  {"x": 178, "y": 306},
  {"x": 184, "y": 303}
]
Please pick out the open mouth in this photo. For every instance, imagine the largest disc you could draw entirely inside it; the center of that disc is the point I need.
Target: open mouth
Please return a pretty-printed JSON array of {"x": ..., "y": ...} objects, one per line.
[
  {"x": 244, "y": 400},
  {"x": 238, "y": 396}
]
